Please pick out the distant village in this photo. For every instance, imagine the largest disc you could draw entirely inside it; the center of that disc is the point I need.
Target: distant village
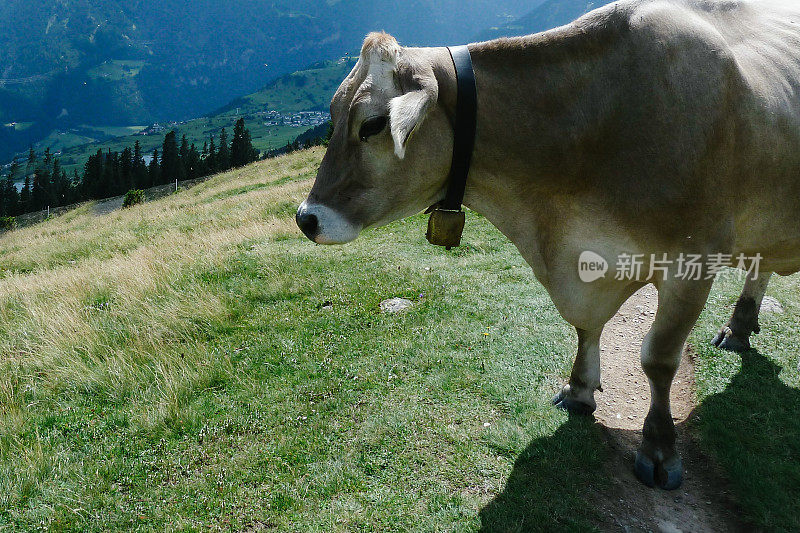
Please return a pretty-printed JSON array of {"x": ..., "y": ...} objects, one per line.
[
  {"x": 301, "y": 119},
  {"x": 298, "y": 119}
]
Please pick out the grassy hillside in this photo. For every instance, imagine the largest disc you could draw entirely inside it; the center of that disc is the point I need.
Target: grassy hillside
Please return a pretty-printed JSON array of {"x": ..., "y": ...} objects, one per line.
[
  {"x": 306, "y": 90},
  {"x": 176, "y": 363},
  {"x": 194, "y": 363}
]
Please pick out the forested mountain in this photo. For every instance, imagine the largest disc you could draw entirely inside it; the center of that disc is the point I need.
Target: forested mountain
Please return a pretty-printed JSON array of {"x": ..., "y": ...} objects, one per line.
[
  {"x": 65, "y": 63},
  {"x": 125, "y": 90}
]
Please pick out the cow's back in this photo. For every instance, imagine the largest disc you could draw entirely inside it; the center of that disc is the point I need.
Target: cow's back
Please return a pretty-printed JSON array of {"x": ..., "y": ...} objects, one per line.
[
  {"x": 763, "y": 38},
  {"x": 681, "y": 118},
  {"x": 755, "y": 51}
]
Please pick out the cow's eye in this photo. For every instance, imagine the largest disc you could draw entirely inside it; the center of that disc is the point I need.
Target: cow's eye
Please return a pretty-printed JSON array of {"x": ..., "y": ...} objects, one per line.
[{"x": 372, "y": 126}]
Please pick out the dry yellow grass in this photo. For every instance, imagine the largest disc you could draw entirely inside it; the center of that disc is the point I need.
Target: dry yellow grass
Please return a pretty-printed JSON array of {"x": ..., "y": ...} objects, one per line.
[{"x": 101, "y": 303}]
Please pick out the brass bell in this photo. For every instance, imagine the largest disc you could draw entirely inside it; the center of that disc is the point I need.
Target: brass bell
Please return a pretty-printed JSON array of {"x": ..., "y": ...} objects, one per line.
[{"x": 445, "y": 227}]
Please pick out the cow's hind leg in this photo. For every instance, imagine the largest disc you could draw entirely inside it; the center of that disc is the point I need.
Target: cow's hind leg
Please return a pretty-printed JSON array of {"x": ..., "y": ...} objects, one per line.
[
  {"x": 680, "y": 303},
  {"x": 578, "y": 396},
  {"x": 735, "y": 335}
]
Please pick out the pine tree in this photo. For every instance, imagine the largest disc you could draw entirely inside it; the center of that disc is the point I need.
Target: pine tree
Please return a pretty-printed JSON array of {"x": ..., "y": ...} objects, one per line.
[
  {"x": 92, "y": 176},
  {"x": 110, "y": 174},
  {"x": 255, "y": 154},
  {"x": 10, "y": 197},
  {"x": 211, "y": 160},
  {"x": 74, "y": 188},
  {"x": 40, "y": 189},
  {"x": 59, "y": 186},
  {"x": 25, "y": 196},
  {"x": 140, "y": 177},
  {"x": 171, "y": 165},
  {"x": 126, "y": 171},
  {"x": 154, "y": 170},
  {"x": 14, "y": 170},
  {"x": 48, "y": 178},
  {"x": 239, "y": 153},
  {"x": 193, "y": 163},
  {"x": 183, "y": 154},
  {"x": 12, "y": 194},
  {"x": 223, "y": 152},
  {"x": 202, "y": 164},
  {"x": 37, "y": 194},
  {"x": 31, "y": 166},
  {"x": 242, "y": 150},
  {"x": 3, "y": 200}
]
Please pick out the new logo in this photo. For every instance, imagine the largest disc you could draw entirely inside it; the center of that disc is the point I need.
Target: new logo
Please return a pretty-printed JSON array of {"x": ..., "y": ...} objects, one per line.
[{"x": 591, "y": 267}]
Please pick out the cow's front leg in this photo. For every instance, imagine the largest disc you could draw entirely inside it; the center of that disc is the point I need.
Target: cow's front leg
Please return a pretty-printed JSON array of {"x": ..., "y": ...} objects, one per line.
[
  {"x": 735, "y": 335},
  {"x": 578, "y": 396},
  {"x": 680, "y": 303}
]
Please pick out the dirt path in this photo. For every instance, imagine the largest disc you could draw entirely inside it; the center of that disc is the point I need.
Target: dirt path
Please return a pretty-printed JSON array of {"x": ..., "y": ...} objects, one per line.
[{"x": 702, "y": 503}]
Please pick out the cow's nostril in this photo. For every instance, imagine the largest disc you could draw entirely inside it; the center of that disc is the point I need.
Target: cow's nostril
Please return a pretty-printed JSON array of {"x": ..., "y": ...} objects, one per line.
[{"x": 308, "y": 224}]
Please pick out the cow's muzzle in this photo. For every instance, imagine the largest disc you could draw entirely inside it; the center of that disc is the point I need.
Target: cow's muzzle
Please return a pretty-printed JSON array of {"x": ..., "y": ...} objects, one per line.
[{"x": 324, "y": 225}]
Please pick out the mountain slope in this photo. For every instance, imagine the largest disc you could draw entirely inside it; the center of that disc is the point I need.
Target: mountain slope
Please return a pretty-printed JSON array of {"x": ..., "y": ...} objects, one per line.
[
  {"x": 123, "y": 62},
  {"x": 275, "y": 115},
  {"x": 310, "y": 89}
]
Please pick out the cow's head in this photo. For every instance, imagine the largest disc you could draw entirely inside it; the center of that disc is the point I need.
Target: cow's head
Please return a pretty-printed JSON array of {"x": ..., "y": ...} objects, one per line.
[{"x": 390, "y": 152}]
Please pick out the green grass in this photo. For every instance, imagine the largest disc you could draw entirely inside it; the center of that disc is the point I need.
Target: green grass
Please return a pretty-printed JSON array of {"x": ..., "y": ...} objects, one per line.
[
  {"x": 58, "y": 141},
  {"x": 195, "y": 364},
  {"x": 117, "y": 131},
  {"x": 749, "y": 413},
  {"x": 172, "y": 366}
]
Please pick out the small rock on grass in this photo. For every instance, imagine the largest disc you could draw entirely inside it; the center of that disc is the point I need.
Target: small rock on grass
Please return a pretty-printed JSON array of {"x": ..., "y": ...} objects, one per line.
[
  {"x": 771, "y": 305},
  {"x": 393, "y": 306}
]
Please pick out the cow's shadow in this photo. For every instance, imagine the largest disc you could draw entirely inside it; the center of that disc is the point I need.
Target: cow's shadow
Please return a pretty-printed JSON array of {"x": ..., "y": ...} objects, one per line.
[{"x": 751, "y": 428}]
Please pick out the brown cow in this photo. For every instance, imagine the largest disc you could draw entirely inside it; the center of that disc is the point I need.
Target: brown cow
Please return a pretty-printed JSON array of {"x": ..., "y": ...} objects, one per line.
[{"x": 654, "y": 129}]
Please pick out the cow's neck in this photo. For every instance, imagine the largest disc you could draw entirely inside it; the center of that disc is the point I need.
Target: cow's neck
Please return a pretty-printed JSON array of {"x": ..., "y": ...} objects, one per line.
[{"x": 537, "y": 100}]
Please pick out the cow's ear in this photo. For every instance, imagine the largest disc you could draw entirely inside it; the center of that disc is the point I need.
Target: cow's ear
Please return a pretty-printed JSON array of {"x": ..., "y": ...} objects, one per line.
[{"x": 408, "y": 111}]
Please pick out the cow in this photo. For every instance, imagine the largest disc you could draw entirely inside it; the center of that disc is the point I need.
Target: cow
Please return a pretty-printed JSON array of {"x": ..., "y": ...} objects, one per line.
[{"x": 657, "y": 129}]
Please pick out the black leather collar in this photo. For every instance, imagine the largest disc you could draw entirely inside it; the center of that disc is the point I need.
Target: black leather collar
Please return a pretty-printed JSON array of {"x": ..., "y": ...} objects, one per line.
[
  {"x": 465, "y": 124},
  {"x": 447, "y": 219}
]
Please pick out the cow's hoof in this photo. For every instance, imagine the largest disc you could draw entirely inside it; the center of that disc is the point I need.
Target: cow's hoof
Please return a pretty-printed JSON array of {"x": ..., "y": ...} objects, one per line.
[
  {"x": 573, "y": 406},
  {"x": 727, "y": 340},
  {"x": 667, "y": 475}
]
